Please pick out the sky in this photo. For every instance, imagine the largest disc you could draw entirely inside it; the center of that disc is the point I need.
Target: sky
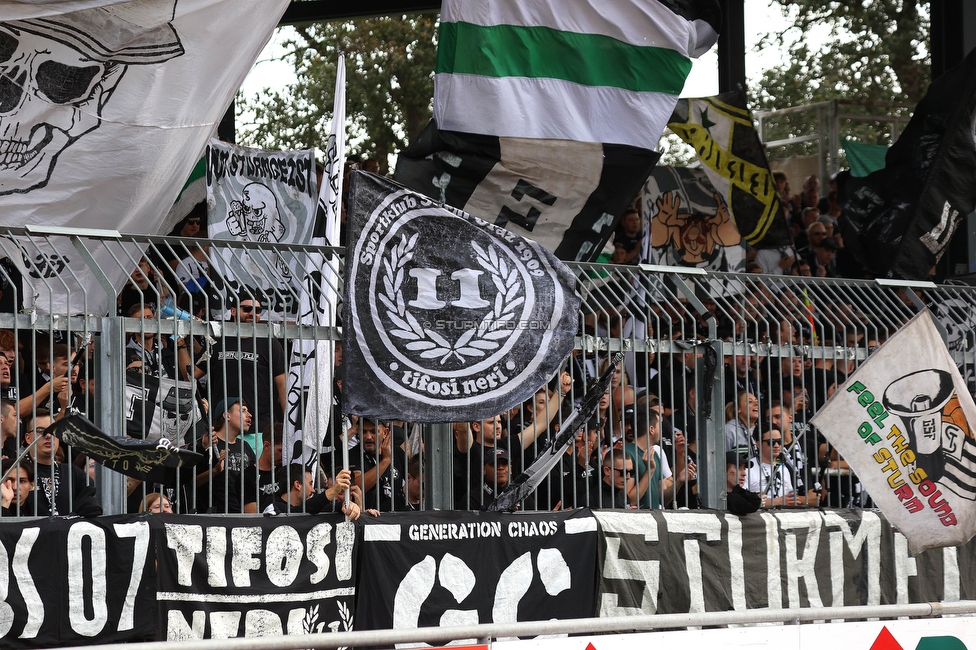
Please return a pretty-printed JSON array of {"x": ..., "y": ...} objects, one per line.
[{"x": 760, "y": 17}]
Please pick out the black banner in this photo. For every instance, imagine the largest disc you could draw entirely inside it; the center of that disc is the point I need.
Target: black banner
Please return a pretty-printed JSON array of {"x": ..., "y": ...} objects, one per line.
[
  {"x": 446, "y": 568},
  {"x": 250, "y": 577},
  {"x": 676, "y": 562},
  {"x": 447, "y": 317},
  {"x": 900, "y": 219},
  {"x": 76, "y": 581}
]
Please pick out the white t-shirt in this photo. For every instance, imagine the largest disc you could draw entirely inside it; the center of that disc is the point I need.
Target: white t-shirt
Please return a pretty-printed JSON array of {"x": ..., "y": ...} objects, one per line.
[{"x": 766, "y": 480}]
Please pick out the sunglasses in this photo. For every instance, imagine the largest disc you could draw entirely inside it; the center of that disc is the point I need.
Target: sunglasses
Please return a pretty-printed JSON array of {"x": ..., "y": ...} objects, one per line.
[
  {"x": 193, "y": 222},
  {"x": 624, "y": 472},
  {"x": 247, "y": 309},
  {"x": 773, "y": 441}
]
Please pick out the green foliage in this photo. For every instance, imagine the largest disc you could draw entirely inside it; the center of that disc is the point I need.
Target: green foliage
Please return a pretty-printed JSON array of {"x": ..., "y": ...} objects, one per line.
[
  {"x": 875, "y": 57},
  {"x": 389, "y": 85}
]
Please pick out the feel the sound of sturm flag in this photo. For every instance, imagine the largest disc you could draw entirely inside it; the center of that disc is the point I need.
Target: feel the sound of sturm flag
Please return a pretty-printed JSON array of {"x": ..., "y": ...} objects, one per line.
[
  {"x": 446, "y": 318},
  {"x": 904, "y": 423}
]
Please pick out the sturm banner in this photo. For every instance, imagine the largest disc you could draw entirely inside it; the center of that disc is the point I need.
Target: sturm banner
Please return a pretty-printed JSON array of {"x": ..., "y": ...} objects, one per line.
[
  {"x": 457, "y": 569},
  {"x": 266, "y": 197},
  {"x": 904, "y": 423},
  {"x": 157, "y": 407},
  {"x": 177, "y": 577},
  {"x": 107, "y": 106},
  {"x": 446, "y": 318}
]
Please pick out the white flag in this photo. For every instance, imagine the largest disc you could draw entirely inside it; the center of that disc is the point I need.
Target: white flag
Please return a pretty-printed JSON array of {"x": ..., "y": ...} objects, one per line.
[
  {"x": 903, "y": 421},
  {"x": 106, "y": 108},
  {"x": 607, "y": 72},
  {"x": 310, "y": 373}
]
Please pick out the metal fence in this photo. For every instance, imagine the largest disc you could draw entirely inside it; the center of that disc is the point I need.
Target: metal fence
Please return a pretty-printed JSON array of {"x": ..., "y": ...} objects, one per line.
[{"x": 713, "y": 362}]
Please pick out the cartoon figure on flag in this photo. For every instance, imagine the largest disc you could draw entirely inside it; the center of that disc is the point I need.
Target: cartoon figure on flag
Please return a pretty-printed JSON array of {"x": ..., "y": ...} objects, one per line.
[
  {"x": 937, "y": 429},
  {"x": 255, "y": 217},
  {"x": 689, "y": 222},
  {"x": 59, "y": 72}
]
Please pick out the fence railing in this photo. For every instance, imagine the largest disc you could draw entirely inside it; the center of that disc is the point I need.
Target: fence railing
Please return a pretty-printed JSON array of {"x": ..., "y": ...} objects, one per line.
[{"x": 720, "y": 360}]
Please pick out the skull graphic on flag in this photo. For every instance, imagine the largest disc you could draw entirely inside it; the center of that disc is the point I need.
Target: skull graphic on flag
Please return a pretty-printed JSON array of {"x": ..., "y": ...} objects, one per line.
[{"x": 58, "y": 72}]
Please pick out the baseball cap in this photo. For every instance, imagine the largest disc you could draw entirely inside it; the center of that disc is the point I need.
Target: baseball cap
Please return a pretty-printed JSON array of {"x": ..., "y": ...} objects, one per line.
[
  {"x": 222, "y": 407},
  {"x": 495, "y": 454}
]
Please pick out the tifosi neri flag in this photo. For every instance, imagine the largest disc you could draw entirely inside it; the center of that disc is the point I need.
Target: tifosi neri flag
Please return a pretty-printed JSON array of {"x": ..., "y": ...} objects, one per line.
[
  {"x": 107, "y": 107},
  {"x": 904, "y": 422},
  {"x": 550, "y": 116},
  {"x": 900, "y": 221},
  {"x": 445, "y": 317},
  {"x": 722, "y": 132},
  {"x": 130, "y": 456},
  {"x": 526, "y": 483},
  {"x": 688, "y": 222},
  {"x": 311, "y": 368},
  {"x": 600, "y": 72},
  {"x": 264, "y": 197}
]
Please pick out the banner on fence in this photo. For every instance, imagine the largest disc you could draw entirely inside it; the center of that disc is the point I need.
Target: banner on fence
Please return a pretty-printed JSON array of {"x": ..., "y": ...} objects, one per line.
[
  {"x": 264, "y": 197},
  {"x": 250, "y": 577},
  {"x": 676, "y": 562},
  {"x": 446, "y": 318},
  {"x": 75, "y": 581},
  {"x": 452, "y": 568}
]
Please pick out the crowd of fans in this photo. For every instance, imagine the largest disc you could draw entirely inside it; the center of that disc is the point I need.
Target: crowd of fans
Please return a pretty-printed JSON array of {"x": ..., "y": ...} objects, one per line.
[{"x": 639, "y": 450}]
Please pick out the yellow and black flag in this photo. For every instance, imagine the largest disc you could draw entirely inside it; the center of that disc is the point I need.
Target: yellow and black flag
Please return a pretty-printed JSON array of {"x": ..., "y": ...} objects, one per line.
[{"x": 722, "y": 132}]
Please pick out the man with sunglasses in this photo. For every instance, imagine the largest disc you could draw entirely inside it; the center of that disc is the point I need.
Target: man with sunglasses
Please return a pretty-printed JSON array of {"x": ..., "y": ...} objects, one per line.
[
  {"x": 249, "y": 366},
  {"x": 769, "y": 476},
  {"x": 618, "y": 477},
  {"x": 60, "y": 488}
]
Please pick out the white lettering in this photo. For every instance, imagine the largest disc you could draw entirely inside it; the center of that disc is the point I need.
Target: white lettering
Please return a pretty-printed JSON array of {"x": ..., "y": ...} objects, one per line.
[
  {"x": 245, "y": 556},
  {"x": 80, "y": 623}
]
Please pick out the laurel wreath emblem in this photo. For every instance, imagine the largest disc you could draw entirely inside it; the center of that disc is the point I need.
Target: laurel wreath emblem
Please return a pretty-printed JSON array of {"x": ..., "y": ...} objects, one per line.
[{"x": 472, "y": 343}]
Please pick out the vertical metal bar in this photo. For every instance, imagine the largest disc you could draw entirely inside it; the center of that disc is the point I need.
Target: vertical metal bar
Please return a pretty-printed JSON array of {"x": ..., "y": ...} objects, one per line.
[
  {"x": 439, "y": 471},
  {"x": 110, "y": 408}
]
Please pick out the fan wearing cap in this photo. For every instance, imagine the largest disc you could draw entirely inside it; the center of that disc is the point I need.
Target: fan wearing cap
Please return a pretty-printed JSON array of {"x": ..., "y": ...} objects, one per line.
[
  {"x": 297, "y": 493},
  {"x": 248, "y": 366},
  {"x": 228, "y": 482},
  {"x": 738, "y": 500},
  {"x": 768, "y": 474},
  {"x": 496, "y": 475}
]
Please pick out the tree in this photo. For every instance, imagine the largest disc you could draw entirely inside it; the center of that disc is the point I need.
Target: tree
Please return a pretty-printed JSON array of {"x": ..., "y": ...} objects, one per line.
[
  {"x": 876, "y": 53},
  {"x": 389, "y": 85}
]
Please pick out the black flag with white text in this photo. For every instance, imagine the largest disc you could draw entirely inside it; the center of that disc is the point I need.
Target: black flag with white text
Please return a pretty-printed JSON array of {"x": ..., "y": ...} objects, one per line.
[{"x": 446, "y": 317}]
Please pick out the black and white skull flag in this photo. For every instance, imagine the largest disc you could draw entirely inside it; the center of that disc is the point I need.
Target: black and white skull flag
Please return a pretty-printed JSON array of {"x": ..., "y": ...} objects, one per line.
[
  {"x": 264, "y": 197},
  {"x": 445, "y": 317},
  {"x": 905, "y": 424},
  {"x": 106, "y": 107}
]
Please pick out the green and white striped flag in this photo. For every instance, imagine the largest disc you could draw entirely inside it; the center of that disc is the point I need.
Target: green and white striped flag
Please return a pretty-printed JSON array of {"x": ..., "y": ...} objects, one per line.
[{"x": 586, "y": 70}]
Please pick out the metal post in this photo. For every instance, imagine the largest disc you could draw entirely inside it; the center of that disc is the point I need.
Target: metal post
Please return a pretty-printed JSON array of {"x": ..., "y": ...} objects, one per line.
[
  {"x": 439, "y": 449},
  {"x": 711, "y": 454},
  {"x": 110, "y": 409}
]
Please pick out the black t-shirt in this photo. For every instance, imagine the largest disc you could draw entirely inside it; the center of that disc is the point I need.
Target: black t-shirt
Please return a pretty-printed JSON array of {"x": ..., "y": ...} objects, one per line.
[
  {"x": 391, "y": 483},
  {"x": 61, "y": 489},
  {"x": 245, "y": 367},
  {"x": 267, "y": 488},
  {"x": 229, "y": 493}
]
